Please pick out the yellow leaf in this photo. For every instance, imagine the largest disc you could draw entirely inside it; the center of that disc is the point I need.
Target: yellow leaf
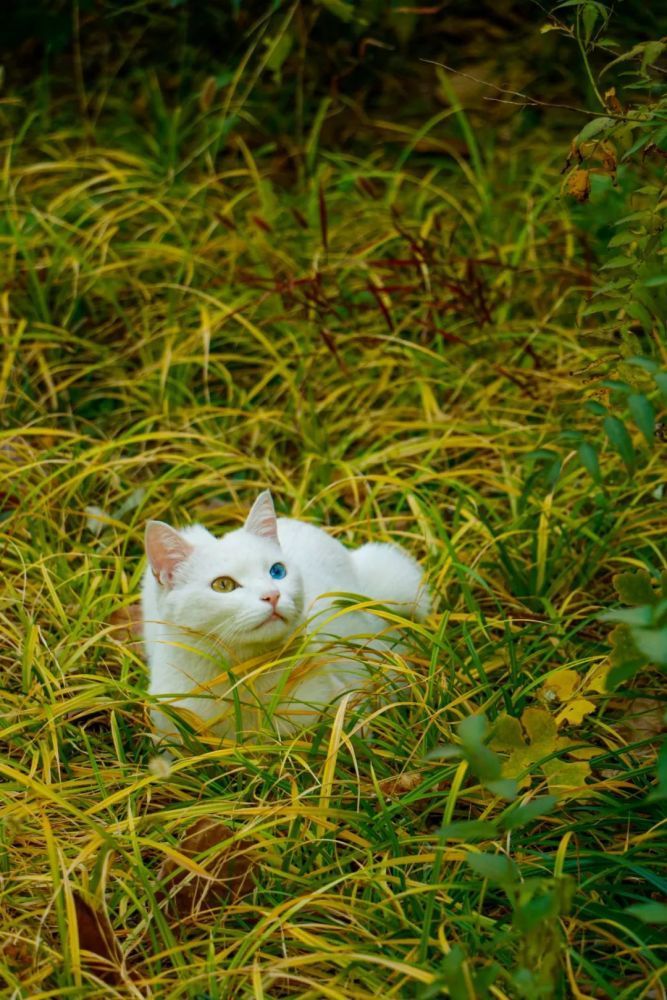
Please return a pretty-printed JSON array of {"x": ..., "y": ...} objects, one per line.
[
  {"x": 612, "y": 101},
  {"x": 507, "y": 733},
  {"x": 583, "y": 753},
  {"x": 579, "y": 184},
  {"x": 530, "y": 745},
  {"x": 540, "y": 726},
  {"x": 567, "y": 779},
  {"x": 575, "y": 712},
  {"x": 597, "y": 678},
  {"x": 561, "y": 685}
]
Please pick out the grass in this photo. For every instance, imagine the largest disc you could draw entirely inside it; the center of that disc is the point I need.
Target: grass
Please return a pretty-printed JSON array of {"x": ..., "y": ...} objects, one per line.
[{"x": 391, "y": 344}]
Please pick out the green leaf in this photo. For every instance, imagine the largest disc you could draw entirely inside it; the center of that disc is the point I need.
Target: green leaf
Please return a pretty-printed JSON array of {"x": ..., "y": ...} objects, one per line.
[
  {"x": 646, "y": 363},
  {"x": 652, "y": 52},
  {"x": 616, "y": 384},
  {"x": 504, "y": 788},
  {"x": 640, "y": 313},
  {"x": 473, "y": 730},
  {"x": 650, "y": 913},
  {"x": 630, "y": 54},
  {"x": 620, "y": 440},
  {"x": 643, "y": 216},
  {"x": 603, "y": 305},
  {"x": 454, "y": 974},
  {"x": 279, "y": 49},
  {"x": 593, "y": 128},
  {"x": 340, "y": 8},
  {"x": 660, "y": 790},
  {"x": 532, "y": 810},
  {"x": 539, "y": 454},
  {"x": 622, "y": 673},
  {"x": 635, "y": 588},
  {"x": 624, "y": 652},
  {"x": 588, "y": 457},
  {"x": 661, "y": 379},
  {"x": 447, "y": 752},
  {"x": 643, "y": 414},
  {"x": 474, "y": 829},
  {"x": 496, "y": 867},
  {"x": 625, "y": 658},
  {"x": 655, "y": 281},
  {"x": 484, "y": 763},
  {"x": 660, "y": 610},
  {"x": 589, "y": 17},
  {"x": 652, "y": 642},
  {"x": 635, "y": 617},
  {"x": 643, "y": 140},
  {"x": 622, "y": 239},
  {"x": 620, "y": 261}
]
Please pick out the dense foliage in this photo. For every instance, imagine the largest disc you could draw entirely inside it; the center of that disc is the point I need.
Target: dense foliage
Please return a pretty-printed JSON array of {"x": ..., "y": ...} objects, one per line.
[{"x": 275, "y": 244}]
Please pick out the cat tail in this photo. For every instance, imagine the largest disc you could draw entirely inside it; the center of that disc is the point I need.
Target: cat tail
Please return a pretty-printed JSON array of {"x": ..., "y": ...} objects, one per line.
[{"x": 388, "y": 574}]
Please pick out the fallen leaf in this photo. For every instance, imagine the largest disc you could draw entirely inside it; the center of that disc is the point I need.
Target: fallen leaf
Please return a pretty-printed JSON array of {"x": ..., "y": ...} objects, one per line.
[
  {"x": 97, "y": 938},
  {"x": 597, "y": 678},
  {"x": 230, "y": 870},
  {"x": 397, "y": 785},
  {"x": 566, "y": 688},
  {"x": 17, "y": 954},
  {"x": 507, "y": 733},
  {"x": 575, "y": 712},
  {"x": 529, "y": 743},
  {"x": 643, "y": 719},
  {"x": 565, "y": 778},
  {"x": 561, "y": 685}
]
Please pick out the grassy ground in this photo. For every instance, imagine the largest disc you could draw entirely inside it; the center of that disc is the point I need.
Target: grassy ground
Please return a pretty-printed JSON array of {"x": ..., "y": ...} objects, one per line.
[{"x": 392, "y": 346}]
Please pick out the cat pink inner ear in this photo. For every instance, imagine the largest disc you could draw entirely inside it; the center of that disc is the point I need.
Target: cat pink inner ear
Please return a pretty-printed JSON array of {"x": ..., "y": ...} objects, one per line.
[
  {"x": 166, "y": 549},
  {"x": 262, "y": 517}
]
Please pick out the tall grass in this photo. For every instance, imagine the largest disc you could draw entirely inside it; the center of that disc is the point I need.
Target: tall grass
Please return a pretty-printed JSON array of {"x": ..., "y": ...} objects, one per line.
[{"x": 392, "y": 347}]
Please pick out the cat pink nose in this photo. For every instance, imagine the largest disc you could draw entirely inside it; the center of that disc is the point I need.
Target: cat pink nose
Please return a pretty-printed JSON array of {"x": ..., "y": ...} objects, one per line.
[{"x": 272, "y": 596}]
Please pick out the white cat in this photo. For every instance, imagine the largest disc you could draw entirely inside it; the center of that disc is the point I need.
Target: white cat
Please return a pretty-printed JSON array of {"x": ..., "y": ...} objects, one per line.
[{"x": 243, "y": 631}]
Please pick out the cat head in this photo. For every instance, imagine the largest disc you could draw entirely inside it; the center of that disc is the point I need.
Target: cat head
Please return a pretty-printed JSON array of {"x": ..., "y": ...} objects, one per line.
[{"x": 239, "y": 589}]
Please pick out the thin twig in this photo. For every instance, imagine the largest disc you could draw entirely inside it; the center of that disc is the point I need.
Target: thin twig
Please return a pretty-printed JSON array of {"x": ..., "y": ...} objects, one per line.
[{"x": 526, "y": 100}]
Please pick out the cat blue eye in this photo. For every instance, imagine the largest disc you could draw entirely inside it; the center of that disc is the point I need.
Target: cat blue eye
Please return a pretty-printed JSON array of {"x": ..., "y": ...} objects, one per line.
[{"x": 278, "y": 571}]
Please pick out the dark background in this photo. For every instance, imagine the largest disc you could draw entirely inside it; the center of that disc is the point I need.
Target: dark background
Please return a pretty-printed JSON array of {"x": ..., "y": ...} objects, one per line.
[{"x": 367, "y": 57}]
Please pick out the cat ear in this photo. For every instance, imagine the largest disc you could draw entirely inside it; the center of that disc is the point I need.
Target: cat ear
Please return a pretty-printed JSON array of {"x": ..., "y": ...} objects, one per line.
[
  {"x": 166, "y": 549},
  {"x": 262, "y": 517}
]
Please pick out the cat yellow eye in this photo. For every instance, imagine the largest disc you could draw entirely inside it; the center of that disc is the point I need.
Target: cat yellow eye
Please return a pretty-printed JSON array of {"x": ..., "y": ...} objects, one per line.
[{"x": 224, "y": 584}]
